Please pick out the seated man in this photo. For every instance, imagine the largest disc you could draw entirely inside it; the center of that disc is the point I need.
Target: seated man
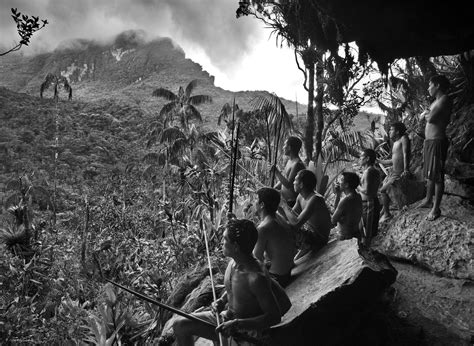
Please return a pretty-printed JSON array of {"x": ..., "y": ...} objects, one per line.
[
  {"x": 400, "y": 161},
  {"x": 294, "y": 164},
  {"x": 275, "y": 239},
  {"x": 348, "y": 211},
  {"x": 310, "y": 215},
  {"x": 253, "y": 302}
]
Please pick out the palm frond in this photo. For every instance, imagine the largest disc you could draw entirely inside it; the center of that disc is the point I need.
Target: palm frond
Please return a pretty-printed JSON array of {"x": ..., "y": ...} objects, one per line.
[
  {"x": 191, "y": 113},
  {"x": 344, "y": 145},
  {"x": 178, "y": 145},
  {"x": 190, "y": 87},
  {"x": 164, "y": 93},
  {"x": 196, "y": 100},
  {"x": 226, "y": 111},
  {"x": 151, "y": 158},
  {"x": 273, "y": 108},
  {"x": 14, "y": 184},
  {"x": 172, "y": 134},
  {"x": 167, "y": 109}
]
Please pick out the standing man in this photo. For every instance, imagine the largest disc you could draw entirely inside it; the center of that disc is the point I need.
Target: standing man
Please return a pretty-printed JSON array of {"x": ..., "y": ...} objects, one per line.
[
  {"x": 294, "y": 164},
  {"x": 251, "y": 302},
  {"x": 435, "y": 147},
  {"x": 276, "y": 243},
  {"x": 369, "y": 187},
  {"x": 400, "y": 162},
  {"x": 349, "y": 209},
  {"x": 310, "y": 216}
]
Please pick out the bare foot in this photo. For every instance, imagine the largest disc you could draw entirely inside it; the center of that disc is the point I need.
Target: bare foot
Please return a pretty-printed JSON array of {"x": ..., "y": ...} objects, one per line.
[
  {"x": 425, "y": 204},
  {"x": 433, "y": 215},
  {"x": 385, "y": 217}
]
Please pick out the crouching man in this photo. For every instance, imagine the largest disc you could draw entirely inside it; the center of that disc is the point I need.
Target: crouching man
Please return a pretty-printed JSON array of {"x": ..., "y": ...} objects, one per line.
[{"x": 253, "y": 303}]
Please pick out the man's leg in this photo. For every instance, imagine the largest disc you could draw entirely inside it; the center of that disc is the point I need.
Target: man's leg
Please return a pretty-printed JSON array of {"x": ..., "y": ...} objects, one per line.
[
  {"x": 428, "y": 200},
  {"x": 385, "y": 202},
  {"x": 436, "y": 211},
  {"x": 186, "y": 329}
]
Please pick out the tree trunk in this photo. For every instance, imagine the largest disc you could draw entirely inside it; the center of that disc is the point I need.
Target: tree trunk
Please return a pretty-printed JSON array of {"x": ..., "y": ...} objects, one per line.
[
  {"x": 319, "y": 105},
  {"x": 309, "y": 130}
]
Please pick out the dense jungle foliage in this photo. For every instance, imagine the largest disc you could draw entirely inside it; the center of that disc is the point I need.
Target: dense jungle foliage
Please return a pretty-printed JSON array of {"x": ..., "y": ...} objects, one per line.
[{"x": 107, "y": 190}]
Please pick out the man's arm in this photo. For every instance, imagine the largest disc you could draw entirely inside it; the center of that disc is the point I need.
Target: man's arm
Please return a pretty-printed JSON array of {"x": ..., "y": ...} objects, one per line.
[
  {"x": 363, "y": 188},
  {"x": 305, "y": 215},
  {"x": 370, "y": 179},
  {"x": 259, "y": 248},
  {"x": 260, "y": 287},
  {"x": 340, "y": 212},
  {"x": 438, "y": 110},
  {"x": 406, "y": 154}
]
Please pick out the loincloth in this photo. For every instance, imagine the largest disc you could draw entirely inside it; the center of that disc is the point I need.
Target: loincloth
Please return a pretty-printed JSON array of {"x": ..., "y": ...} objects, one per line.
[
  {"x": 370, "y": 217},
  {"x": 435, "y": 152},
  {"x": 353, "y": 233},
  {"x": 308, "y": 235}
]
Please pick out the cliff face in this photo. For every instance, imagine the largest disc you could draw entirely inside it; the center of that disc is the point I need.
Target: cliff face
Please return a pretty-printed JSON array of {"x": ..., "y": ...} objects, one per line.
[{"x": 128, "y": 69}]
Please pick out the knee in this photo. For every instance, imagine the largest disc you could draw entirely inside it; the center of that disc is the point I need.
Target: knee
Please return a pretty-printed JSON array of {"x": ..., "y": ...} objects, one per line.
[{"x": 180, "y": 325}]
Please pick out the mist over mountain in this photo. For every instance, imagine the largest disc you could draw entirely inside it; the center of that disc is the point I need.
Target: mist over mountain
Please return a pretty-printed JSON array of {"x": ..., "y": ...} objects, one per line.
[{"x": 127, "y": 69}]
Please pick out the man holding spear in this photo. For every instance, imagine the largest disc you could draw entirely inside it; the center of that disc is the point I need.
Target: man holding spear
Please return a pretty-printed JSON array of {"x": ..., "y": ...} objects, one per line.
[{"x": 252, "y": 303}]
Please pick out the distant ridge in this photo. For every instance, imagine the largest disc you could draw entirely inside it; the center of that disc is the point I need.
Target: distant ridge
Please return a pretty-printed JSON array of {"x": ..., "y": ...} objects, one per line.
[{"x": 128, "y": 69}]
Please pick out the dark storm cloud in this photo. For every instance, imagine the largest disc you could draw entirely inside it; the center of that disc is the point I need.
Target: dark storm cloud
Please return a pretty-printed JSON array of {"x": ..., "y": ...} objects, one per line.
[{"x": 207, "y": 24}]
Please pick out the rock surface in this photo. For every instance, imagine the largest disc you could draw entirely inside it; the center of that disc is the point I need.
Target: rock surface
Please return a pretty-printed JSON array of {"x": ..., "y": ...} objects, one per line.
[
  {"x": 337, "y": 282},
  {"x": 444, "y": 246},
  {"x": 406, "y": 191},
  {"x": 443, "y": 308}
]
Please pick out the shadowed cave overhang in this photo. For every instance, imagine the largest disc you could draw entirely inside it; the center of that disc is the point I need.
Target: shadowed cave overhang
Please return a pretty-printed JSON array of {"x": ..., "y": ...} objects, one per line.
[{"x": 388, "y": 30}]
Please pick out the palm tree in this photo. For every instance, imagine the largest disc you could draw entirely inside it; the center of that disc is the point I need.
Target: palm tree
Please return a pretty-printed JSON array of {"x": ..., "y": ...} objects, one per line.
[
  {"x": 173, "y": 129},
  {"x": 182, "y": 105}
]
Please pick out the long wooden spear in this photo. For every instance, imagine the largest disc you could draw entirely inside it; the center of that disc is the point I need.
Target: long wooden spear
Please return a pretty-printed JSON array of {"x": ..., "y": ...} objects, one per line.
[
  {"x": 231, "y": 160},
  {"x": 276, "y": 147},
  {"x": 238, "y": 335},
  {"x": 162, "y": 305},
  {"x": 211, "y": 277},
  {"x": 234, "y": 168}
]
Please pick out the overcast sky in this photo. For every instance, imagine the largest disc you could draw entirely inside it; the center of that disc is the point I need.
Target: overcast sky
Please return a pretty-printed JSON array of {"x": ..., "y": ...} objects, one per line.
[{"x": 239, "y": 52}]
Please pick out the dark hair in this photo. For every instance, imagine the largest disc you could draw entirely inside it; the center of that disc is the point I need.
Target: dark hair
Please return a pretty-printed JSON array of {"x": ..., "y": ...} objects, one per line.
[
  {"x": 294, "y": 143},
  {"x": 399, "y": 127},
  {"x": 308, "y": 179},
  {"x": 352, "y": 179},
  {"x": 442, "y": 81},
  {"x": 270, "y": 198},
  {"x": 244, "y": 233},
  {"x": 370, "y": 153}
]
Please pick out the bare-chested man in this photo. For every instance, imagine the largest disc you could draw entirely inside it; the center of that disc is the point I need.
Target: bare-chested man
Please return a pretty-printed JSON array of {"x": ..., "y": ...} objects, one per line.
[
  {"x": 253, "y": 303},
  {"x": 368, "y": 189},
  {"x": 400, "y": 162},
  {"x": 276, "y": 243},
  {"x": 294, "y": 164},
  {"x": 349, "y": 209},
  {"x": 435, "y": 147},
  {"x": 310, "y": 216}
]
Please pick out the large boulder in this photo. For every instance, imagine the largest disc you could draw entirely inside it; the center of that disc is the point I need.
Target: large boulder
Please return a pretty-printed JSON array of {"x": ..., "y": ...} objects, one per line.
[
  {"x": 444, "y": 246},
  {"x": 332, "y": 295},
  {"x": 339, "y": 283}
]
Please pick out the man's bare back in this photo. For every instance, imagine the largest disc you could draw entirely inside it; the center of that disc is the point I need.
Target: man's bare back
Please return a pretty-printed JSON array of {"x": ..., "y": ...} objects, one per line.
[
  {"x": 348, "y": 215},
  {"x": 277, "y": 241},
  {"x": 315, "y": 206},
  {"x": 397, "y": 155},
  {"x": 293, "y": 166}
]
